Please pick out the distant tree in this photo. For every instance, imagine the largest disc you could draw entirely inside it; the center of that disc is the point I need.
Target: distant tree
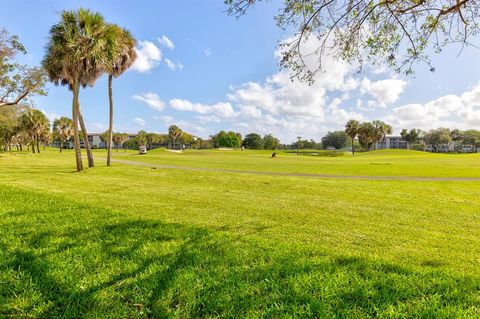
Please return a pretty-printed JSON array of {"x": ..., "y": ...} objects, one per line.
[
  {"x": 142, "y": 138},
  {"x": 119, "y": 139},
  {"x": 457, "y": 135},
  {"x": 62, "y": 130},
  {"x": 104, "y": 137},
  {"x": 227, "y": 139},
  {"x": 366, "y": 135},
  {"x": 20, "y": 137},
  {"x": 174, "y": 133},
  {"x": 35, "y": 124},
  {"x": 154, "y": 138},
  {"x": 46, "y": 138},
  {"x": 411, "y": 137},
  {"x": 380, "y": 131},
  {"x": 471, "y": 137},
  {"x": 186, "y": 138},
  {"x": 351, "y": 128},
  {"x": 438, "y": 137},
  {"x": 270, "y": 142},
  {"x": 253, "y": 141},
  {"x": 336, "y": 139}
]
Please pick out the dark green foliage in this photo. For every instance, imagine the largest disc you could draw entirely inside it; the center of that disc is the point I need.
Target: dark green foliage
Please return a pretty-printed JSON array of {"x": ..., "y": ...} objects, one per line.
[
  {"x": 270, "y": 142},
  {"x": 227, "y": 139},
  {"x": 336, "y": 139},
  {"x": 253, "y": 141},
  {"x": 412, "y": 136}
]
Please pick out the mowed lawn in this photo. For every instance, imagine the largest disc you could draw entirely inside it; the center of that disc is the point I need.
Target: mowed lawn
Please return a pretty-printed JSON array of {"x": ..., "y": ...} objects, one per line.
[
  {"x": 135, "y": 242},
  {"x": 380, "y": 163}
]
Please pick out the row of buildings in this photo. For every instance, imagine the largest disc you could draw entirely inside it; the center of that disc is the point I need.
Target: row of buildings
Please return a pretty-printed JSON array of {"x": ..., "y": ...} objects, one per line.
[
  {"x": 397, "y": 142},
  {"x": 94, "y": 140}
]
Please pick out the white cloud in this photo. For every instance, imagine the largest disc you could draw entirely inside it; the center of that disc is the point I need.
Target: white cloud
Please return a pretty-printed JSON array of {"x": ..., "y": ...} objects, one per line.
[
  {"x": 207, "y": 52},
  {"x": 172, "y": 65},
  {"x": 148, "y": 56},
  {"x": 166, "y": 42},
  {"x": 139, "y": 121},
  {"x": 453, "y": 111},
  {"x": 151, "y": 99},
  {"x": 288, "y": 109},
  {"x": 222, "y": 109},
  {"x": 167, "y": 120},
  {"x": 385, "y": 92}
]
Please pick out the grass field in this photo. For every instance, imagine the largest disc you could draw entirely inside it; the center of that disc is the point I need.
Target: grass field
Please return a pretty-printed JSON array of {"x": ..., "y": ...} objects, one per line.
[{"x": 135, "y": 242}]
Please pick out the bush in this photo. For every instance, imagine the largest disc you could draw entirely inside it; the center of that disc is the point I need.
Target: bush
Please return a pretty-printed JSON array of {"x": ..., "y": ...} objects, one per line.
[{"x": 418, "y": 147}]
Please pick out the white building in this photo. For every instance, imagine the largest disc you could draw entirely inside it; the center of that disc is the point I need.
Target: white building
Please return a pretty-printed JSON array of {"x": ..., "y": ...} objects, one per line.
[{"x": 392, "y": 142}]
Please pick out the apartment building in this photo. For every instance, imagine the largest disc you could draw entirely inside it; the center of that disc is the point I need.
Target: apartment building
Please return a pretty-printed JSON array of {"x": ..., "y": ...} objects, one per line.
[{"x": 392, "y": 142}]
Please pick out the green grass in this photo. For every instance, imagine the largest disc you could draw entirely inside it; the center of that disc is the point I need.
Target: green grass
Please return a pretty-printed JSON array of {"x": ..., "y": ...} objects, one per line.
[
  {"x": 136, "y": 242},
  {"x": 380, "y": 163}
]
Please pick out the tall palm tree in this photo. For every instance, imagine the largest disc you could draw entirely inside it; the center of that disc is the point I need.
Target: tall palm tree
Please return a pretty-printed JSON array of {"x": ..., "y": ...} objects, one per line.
[
  {"x": 62, "y": 130},
  {"x": 123, "y": 59},
  {"x": 79, "y": 47},
  {"x": 174, "y": 132},
  {"x": 351, "y": 128}
]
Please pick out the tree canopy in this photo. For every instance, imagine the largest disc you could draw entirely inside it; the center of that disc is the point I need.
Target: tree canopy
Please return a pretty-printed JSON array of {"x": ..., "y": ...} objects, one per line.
[
  {"x": 17, "y": 81},
  {"x": 388, "y": 32},
  {"x": 336, "y": 139}
]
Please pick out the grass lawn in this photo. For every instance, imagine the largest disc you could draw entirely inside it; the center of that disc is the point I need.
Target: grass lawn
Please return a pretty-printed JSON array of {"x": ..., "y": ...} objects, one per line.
[
  {"x": 380, "y": 163},
  {"x": 135, "y": 242}
]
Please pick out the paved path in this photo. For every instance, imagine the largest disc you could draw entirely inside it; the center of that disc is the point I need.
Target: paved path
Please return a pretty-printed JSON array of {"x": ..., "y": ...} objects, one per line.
[{"x": 361, "y": 177}]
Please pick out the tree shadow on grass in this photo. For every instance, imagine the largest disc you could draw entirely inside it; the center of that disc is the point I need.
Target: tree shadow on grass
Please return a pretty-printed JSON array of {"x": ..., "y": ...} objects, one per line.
[{"x": 120, "y": 267}]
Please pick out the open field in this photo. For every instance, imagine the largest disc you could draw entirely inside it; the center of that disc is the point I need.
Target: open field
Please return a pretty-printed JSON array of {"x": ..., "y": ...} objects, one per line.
[
  {"x": 132, "y": 241},
  {"x": 381, "y": 163}
]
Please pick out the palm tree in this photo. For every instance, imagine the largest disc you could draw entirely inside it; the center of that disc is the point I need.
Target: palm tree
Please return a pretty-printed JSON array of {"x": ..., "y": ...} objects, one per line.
[
  {"x": 351, "y": 128},
  {"x": 80, "y": 44},
  {"x": 35, "y": 124},
  {"x": 124, "y": 58},
  {"x": 366, "y": 134},
  {"x": 62, "y": 130},
  {"x": 381, "y": 129},
  {"x": 174, "y": 132}
]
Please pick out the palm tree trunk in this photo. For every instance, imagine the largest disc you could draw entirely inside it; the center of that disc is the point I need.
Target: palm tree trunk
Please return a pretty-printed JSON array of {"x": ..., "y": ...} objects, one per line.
[
  {"x": 61, "y": 146},
  {"x": 85, "y": 138},
  {"x": 20, "y": 144},
  {"x": 110, "y": 121},
  {"x": 33, "y": 145},
  {"x": 353, "y": 148},
  {"x": 38, "y": 145},
  {"x": 76, "y": 137}
]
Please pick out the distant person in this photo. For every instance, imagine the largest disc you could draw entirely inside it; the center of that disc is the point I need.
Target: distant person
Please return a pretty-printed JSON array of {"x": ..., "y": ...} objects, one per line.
[{"x": 243, "y": 148}]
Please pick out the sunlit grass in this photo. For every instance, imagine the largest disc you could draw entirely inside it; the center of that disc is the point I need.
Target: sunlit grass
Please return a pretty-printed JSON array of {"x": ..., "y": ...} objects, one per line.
[{"x": 128, "y": 241}]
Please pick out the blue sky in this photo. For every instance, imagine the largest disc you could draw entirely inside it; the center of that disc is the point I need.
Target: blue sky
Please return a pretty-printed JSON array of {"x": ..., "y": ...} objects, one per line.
[{"x": 205, "y": 71}]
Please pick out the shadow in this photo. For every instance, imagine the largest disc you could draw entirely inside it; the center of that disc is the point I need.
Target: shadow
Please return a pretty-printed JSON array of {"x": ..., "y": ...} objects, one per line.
[{"x": 106, "y": 265}]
